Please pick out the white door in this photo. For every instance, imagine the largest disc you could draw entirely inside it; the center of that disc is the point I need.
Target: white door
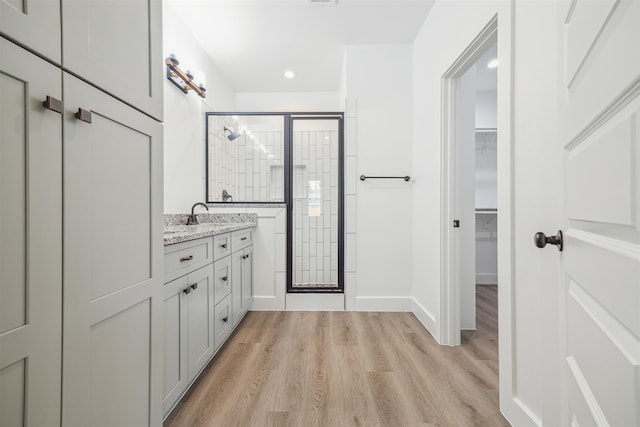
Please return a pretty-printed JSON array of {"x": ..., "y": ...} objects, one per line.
[
  {"x": 112, "y": 263},
  {"x": 30, "y": 240},
  {"x": 599, "y": 132}
]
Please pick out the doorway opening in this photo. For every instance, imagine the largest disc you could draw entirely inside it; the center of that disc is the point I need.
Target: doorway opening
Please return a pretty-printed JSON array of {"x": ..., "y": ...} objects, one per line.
[
  {"x": 469, "y": 193},
  {"x": 315, "y": 207}
]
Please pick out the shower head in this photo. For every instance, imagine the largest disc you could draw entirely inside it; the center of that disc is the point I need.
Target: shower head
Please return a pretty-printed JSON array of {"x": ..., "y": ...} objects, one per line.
[{"x": 232, "y": 135}]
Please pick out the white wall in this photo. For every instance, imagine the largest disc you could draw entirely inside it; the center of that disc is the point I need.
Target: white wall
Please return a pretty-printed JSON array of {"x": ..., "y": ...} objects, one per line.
[
  {"x": 291, "y": 102},
  {"x": 184, "y": 153},
  {"x": 378, "y": 88}
]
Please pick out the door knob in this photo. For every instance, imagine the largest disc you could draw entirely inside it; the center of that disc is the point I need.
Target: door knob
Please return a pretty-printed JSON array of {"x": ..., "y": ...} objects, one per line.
[{"x": 541, "y": 240}]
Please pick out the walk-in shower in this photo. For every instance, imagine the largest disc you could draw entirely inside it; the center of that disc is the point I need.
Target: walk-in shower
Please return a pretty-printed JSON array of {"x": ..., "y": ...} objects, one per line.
[{"x": 293, "y": 161}]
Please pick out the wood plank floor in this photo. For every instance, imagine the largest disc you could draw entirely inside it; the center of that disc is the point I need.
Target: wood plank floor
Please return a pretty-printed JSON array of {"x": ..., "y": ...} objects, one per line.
[{"x": 348, "y": 369}]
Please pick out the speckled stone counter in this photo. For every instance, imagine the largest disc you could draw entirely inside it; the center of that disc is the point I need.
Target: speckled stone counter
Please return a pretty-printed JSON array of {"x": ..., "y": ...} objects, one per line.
[{"x": 175, "y": 230}]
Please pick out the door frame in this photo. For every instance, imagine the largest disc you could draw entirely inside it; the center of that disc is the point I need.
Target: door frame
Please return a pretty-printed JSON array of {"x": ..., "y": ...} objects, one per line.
[
  {"x": 498, "y": 29},
  {"x": 449, "y": 237},
  {"x": 289, "y": 120}
]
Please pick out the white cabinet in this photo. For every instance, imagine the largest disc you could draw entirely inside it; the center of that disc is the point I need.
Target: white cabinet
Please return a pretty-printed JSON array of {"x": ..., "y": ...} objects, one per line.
[
  {"x": 30, "y": 239},
  {"x": 113, "y": 251},
  {"x": 117, "y": 46},
  {"x": 200, "y": 306},
  {"x": 188, "y": 330},
  {"x": 34, "y": 24}
]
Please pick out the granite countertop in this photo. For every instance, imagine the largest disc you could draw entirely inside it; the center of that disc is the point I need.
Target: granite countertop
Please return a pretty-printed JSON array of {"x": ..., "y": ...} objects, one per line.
[{"x": 175, "y": 230}]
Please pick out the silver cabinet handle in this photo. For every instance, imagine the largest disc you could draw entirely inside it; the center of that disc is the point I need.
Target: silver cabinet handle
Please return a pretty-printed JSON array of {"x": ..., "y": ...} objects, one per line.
[
  {"x": 244, "y": 238},
  {"x": 223, "y": 246},
  {"x": 83, "y": 115},
  {"x": 186, "y": 258},
  {"x": 225, "y": 278},
  {"x": 53, "y": 104},
  {"x": 225, "y": 319}
]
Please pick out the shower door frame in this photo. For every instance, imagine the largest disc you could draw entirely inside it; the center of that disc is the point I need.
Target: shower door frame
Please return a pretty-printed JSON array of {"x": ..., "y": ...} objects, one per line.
[{"x": 288, "y": 190}]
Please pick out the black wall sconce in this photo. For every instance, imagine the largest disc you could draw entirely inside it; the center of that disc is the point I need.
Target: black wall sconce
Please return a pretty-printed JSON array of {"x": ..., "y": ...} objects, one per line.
[{"x": 182, "y": 79}]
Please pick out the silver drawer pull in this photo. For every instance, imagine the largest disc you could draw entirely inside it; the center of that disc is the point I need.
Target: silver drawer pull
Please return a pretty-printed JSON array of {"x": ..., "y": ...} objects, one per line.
[
  {"x": 225, "y": 319},
  {"x": 223, "y": 246},
  {"x": 186, "y": 258},
  {"x": 244, "y": 238},
  {"x": 224, "y": 279}
]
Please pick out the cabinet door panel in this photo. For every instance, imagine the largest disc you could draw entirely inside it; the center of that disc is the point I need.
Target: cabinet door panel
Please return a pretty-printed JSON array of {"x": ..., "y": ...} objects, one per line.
[
  {"x": 112, "y": 257},
  {"x": 247, "y": 279},
  {"x": 126, "y": 62},
  {"x": 236, "y": 286},
  {"x": 175, "y": 340},
  {"x": 200, "y": 323},
  {"x": 30, "y": 240},
  {"x": 34, "y": 24}
]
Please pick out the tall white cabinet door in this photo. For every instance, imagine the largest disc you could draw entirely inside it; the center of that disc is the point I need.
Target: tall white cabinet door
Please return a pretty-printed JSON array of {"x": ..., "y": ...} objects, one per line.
[
  {"x": 117, "y": 46},
  {"x": 113, "y": 254},
  {"x": 600, "y": 103},
  {"x": 34, "y": 24},
  {"x": 30, "y": 241}
]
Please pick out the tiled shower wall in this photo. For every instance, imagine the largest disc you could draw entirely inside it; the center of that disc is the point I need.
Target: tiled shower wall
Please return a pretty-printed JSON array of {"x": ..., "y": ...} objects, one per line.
[
  {"x": 315, "y": 210},
  {"x": 250, "y": 168}
]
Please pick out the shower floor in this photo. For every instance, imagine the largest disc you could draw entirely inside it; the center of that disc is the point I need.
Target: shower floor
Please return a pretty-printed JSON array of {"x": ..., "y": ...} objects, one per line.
[{"x": 316, "y": 285}]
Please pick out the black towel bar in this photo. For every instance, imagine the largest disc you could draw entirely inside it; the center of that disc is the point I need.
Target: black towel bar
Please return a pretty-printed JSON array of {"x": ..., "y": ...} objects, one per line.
[{"x": 363, "y": 177}]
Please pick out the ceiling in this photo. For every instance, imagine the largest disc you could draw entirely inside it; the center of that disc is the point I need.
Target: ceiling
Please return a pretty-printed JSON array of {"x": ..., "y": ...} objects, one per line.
[{"x": 254, "y": 41}]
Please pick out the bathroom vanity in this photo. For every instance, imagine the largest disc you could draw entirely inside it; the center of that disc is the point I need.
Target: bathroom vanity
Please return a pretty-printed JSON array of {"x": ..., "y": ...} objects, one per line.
[{"x": 208, "y": 275}]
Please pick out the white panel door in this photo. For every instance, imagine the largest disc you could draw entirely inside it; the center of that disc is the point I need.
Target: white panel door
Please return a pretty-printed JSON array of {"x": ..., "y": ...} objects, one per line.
[
  {"x": 34, "y": 24},
  {"x": 113, "y": 254},
  {"x": 175, "y": 342},
  {"x": 600, "y": 133},
  {"x": 117, "y": 46},
  {"x": 30, "y": 240}
]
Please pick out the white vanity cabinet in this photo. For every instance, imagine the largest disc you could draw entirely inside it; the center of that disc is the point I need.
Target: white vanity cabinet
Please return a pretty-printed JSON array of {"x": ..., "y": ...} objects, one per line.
[
  {"x": 204, "y": 286},
  {"x": 189, "y": 340}
]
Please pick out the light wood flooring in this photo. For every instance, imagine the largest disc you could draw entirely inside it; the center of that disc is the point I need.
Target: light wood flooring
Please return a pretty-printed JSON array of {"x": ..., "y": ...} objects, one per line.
[{"x": 348, "y": 369}]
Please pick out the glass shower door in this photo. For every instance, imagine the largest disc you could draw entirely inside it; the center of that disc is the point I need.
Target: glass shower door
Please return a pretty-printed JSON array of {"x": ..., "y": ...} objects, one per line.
[{"x": 316, "y": 205}]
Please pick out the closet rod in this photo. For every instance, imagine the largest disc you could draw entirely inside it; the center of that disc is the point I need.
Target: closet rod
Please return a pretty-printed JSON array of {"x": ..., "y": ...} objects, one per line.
[{"x": 363, "y": 177}]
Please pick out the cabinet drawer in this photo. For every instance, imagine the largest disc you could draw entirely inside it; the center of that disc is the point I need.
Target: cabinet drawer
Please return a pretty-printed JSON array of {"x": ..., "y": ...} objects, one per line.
[
  {"x": 222, "y": 278},
  {"x": 241, "y": 239},
  {"x": 182, "y": 258},
  {"x": 223, "y": 320},
  {"x": 221, "y": 246}
]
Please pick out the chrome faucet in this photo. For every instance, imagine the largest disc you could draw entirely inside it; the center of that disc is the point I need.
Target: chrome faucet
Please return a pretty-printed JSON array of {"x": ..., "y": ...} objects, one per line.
[
  {"x": 226, "y": 196},
  {"x": 193, "y": 219}
]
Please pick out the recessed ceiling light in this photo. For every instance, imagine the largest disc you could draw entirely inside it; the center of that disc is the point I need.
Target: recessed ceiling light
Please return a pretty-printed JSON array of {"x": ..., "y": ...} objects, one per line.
[
  {"x": 493, "y": 63},
  {"x": 289, "y": 74}
]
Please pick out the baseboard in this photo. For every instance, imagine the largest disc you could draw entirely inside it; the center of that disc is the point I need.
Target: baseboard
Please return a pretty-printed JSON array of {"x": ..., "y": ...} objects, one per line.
[
  {"x": 314, "y": 302},
  {"x": 486, "y": 279},
  {"x": 383, "y": 303},
  {"x": 265, "y": 304},
  {"x": 427, "y": 319}
]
